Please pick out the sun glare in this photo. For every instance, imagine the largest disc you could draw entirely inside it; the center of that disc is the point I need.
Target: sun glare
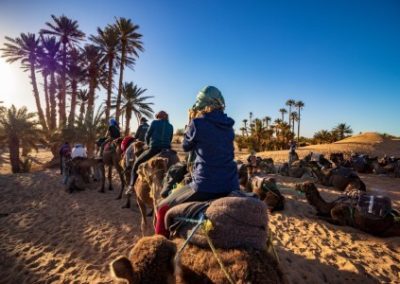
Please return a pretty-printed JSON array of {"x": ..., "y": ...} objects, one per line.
[{"x": 8, "y": 81}]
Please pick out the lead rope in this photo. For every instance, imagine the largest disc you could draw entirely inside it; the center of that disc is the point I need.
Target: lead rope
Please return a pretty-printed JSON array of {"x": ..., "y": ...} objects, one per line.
[{"x": 207, "y": 226}]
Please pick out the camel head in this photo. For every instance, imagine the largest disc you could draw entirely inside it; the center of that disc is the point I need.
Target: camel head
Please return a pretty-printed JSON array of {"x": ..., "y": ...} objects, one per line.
[
  {"x": 153, "y": 172},
  {"x": 308, "y": 188},
  {"x": 150, "y": 261},
  {"x": 269, "y": 184}
]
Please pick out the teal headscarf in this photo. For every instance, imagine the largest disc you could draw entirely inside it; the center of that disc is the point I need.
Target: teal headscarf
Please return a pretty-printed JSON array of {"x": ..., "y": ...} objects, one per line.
[{"x": 209, "y": 96}]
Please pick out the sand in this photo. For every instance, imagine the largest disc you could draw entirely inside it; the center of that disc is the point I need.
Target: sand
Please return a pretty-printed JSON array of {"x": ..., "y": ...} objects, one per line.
[{"x": 50, "y": 236}]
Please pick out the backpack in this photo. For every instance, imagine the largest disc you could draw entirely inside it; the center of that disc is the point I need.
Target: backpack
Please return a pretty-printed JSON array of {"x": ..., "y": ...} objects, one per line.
[{"x": 374, "y": 206}]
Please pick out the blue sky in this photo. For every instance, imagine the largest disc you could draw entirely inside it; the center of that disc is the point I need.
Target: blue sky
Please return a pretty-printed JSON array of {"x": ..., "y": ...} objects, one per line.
[{"x": 341, "y": 58}]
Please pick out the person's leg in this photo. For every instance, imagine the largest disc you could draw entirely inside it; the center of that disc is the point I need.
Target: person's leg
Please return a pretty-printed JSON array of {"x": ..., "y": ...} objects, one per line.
[
  {"x": 145, "y": 156},
  {"x": 181, "y": 195}
]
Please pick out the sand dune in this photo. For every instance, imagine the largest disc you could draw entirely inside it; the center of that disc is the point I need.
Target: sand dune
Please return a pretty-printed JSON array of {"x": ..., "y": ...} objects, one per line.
[{"x": 50, "y": 236}]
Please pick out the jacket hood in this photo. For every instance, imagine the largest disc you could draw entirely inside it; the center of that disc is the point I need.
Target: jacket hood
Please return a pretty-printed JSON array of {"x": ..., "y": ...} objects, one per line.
[{"x": 219, "y": 118}]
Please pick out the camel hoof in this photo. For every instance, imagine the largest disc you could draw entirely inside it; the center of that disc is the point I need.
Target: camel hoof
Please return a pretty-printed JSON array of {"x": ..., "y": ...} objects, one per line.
[
  {"x": 125, "y": 206},
  {"x": 110, "y": 188},
  {"x": 118, "y": 198}
]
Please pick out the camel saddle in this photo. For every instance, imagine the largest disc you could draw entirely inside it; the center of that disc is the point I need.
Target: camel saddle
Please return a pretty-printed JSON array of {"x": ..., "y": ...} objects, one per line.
[
  {"x": 238, "y": 221},
  {"x": 374, "y": 206}
]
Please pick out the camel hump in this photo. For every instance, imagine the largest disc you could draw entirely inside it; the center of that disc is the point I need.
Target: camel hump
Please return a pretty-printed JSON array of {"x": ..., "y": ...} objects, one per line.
[
  {"x": 237, "y": 222},
  {"x": 374, "y": 206}
]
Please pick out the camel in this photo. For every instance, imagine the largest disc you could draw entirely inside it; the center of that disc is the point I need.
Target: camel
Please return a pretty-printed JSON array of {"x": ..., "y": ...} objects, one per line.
[
  {"x": 267, "y": 190},
  {"x": 319, "y": 158},
  {"x": 112, "y": 156},
  {"x": 149, "y": 185},
  {"x": 344, "y": 213},
  {"x": 155, "y": 260},
  {"x": 298, "y": 169},
  {"x": 339, "y": 178},
  {"x": 133, "y": 151}
]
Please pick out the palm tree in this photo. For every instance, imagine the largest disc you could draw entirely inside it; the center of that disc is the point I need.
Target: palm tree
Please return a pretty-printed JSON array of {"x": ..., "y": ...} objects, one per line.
[
  {"x": 26, "y": 49},
  {"x": 323, "y": 136},
  {"x": 76, "y": 74},
  {"x": 283, "y": 111},
  {"x": 68, "y": 32},
  {"x": 133, "y": 102},
  {"x": 245, "y": 126},
  {"x": 130, "y": 44},
  {"x": 342, "y": 130},
  {"x": 299, "y": 105},
  {"x": 89, "y": 128},
  {"x": 108, "y": 42},
  {"x": 18, "y": 129},
  {"x": 290, "y": 103},
  {"x": 49, "y": 64},
  {"x": 293, "y": 117},
  {"x": 82, "y": 98},
  {"x": 94, "y": 70},
  {"x": 267, "y": 120}
]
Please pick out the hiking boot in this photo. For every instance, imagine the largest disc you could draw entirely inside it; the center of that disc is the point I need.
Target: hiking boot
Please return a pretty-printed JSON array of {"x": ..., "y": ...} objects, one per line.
[{"x": 128, "y": 202}]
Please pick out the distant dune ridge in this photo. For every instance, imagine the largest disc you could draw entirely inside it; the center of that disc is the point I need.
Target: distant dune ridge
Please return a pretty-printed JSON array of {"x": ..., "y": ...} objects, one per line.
[{"x": 370, "y": 143}]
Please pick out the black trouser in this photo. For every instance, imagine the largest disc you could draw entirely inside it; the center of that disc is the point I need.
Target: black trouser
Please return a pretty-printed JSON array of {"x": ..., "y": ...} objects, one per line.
[
  {"x": 187, "y": 194},
  {"x": 145, "y": 156}
]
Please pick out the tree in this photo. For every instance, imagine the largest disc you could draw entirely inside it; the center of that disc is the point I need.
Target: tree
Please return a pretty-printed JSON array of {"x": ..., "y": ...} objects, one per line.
[
  {"x": 82, "y": 98},
  {"x": 76, "y": 75},
  {"x": 94, "y": 71},
  {"x": 290, "y": 103},
  {"x": 68, "y": 32},
  {"x": 130, "y": 44},
  {"x": 87, "y": 130},
  {"x": 108, "y": 42},
  {"x": 134, "y": 102},
  {"x": 18, "y": 129},
  {"x": 26, "y": 49},
  {"x": 342, "y": 130},
  {"x": 267, "y": 120},
  {"x": 293, "y": 117},
  {"x": 323, "y": 136},
  {"x": 245, "y": 126},
  {"x": 49, "y": 64},
  {"x": 283, "y": 111},
  {"x": 299, "y": 105}
]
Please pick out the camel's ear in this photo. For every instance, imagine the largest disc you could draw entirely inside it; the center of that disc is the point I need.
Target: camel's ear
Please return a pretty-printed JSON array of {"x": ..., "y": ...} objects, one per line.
[{"x": 121, "y": 268}]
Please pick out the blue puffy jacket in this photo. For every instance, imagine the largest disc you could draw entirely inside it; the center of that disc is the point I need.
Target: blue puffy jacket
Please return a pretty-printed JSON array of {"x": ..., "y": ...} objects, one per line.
[{"x": 211, "y": 138}]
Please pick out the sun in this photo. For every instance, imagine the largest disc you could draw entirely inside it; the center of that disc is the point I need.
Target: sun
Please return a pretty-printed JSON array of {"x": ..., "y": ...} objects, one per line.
[{"x": 8, "y": 80}]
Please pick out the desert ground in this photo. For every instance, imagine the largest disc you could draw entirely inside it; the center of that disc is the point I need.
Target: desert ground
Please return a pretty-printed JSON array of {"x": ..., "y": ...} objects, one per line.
[{"x": 50, "y": 236}]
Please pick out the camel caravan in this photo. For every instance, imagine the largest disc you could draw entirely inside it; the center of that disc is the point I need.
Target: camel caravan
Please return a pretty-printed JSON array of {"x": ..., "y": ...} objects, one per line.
[{"x": 209, "y": 212}]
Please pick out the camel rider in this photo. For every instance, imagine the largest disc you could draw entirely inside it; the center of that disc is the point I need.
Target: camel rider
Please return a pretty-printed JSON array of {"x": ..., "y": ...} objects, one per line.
[
  {"x": 142, "y": 130},
  {"x": 158, "y": 137},
  {"x": 210, "y": 136},
  {"x": 112, "y": 133}
]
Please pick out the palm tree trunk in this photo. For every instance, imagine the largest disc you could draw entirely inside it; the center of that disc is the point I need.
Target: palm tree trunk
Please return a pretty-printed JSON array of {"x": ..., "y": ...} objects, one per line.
[
  {"x": 290, "y": 111},
  {"x": 74, "y": 91},
  {"x": 298, "y": 128},
  {"x": 62, "y": 96},
  {"x": 109, "y": 87},
  {"x": 121, "y": 78},
  {"x": 42, "y": 120},
  {"x": 46, "y": 95},
  {"x": 128, "y": 121},
  {"x": 82, "y": 111},
  {"x": 13, "y": 145},
  {"x": 91, "y": 94},
  {"x": 53, "y": 103}
]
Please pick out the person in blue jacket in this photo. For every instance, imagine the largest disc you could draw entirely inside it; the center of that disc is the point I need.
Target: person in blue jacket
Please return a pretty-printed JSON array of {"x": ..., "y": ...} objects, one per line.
[
  {"x": 158, "y": 137},
  {"x": 210, "y": 137}
]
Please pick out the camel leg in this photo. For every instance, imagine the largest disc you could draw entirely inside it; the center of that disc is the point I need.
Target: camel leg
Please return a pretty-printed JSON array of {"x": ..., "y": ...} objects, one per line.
[
  {"x": 103, "y": 177},
  {"x": 142, "y": 207},
  {"x": 122, "y": 178},
  {"x": 110, "y": 187}
]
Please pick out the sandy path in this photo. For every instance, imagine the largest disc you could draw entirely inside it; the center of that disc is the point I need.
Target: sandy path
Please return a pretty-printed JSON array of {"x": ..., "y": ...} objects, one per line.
[{"x": 51, "y": 236}]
